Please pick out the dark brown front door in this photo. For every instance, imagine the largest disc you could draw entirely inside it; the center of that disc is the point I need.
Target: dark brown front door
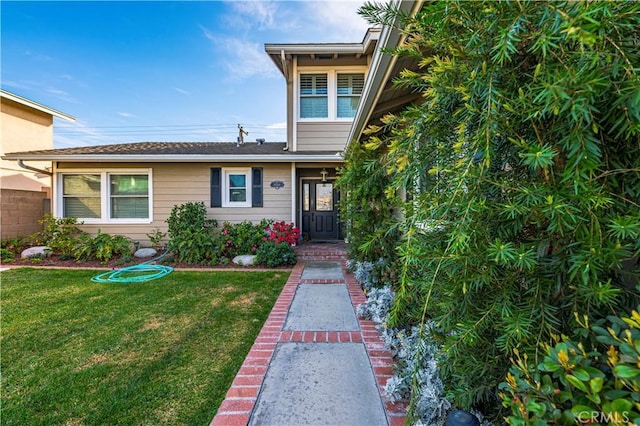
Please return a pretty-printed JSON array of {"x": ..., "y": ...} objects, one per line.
[{"x": 319, "y": 210}]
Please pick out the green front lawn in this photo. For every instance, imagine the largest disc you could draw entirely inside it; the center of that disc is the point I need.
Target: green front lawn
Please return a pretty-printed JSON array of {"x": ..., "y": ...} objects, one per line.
[{"x": 161, "y": 352}]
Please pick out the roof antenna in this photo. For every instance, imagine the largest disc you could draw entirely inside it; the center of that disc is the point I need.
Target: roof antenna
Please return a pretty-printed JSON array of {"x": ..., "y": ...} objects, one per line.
[{"x": 241, "y": 133}]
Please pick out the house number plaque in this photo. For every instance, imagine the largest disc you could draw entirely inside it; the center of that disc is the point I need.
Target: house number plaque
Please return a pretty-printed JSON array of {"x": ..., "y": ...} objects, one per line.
[{"x": 277, "y": 184}]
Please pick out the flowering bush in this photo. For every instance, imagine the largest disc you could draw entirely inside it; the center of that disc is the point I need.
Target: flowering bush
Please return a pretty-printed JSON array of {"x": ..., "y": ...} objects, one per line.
[
  {"x": 242, "y": 238},
  {"x": 281, "y": 232}
]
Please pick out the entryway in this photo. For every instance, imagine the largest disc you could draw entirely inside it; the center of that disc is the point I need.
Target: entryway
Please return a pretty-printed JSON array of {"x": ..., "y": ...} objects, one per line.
[{"x": 319, "y": 210}]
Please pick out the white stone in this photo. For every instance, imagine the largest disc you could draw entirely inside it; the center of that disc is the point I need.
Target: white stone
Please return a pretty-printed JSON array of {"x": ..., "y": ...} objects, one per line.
[
  {"x": 37, "y": 251},
  {"x": 244, "y": 259},
  {"x": 145, "y": 252}
]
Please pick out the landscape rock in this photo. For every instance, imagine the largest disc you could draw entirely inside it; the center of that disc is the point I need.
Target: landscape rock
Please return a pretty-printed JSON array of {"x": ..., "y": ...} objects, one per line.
[
  {"x": 145, "y": 252},
  {"x": 244, "y": 259},
  {"x": 37, "y": 251}
]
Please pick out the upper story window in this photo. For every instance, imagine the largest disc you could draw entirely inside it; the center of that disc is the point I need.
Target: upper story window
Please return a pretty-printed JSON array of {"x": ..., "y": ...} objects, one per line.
[
  {"x": 349, "y": 91},
  {"x": 329, "y": 95},
  {"x": 313, "y": 96},
  {"x": 119, "y": 196}
]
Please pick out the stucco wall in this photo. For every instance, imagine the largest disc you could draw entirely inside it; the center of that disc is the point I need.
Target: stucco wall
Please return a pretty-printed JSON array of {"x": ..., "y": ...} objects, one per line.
[
  {"x": 20, "y": 212},
  {"x": 23, "y": 129}
]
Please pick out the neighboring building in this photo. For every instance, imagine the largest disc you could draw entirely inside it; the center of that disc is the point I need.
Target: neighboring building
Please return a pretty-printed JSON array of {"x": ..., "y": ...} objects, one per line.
[
  {"x": 131, "y": 188},
  {"x": 25, "y": 126},
  {"x": 25, "y": 190}
]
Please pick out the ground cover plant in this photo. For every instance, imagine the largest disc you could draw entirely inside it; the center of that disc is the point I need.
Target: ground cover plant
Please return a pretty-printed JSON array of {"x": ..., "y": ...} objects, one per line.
[
  {"x": 162, "y": 352},
  {"x": 517, "y": 176}
]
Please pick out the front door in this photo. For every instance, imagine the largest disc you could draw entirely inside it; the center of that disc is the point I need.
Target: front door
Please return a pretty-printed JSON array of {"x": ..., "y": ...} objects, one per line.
[{"x": 319, "y": 210}]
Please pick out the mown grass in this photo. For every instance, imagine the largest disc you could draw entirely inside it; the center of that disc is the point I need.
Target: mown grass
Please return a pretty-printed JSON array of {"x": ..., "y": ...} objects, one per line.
[{"x": 161, "y": 352}]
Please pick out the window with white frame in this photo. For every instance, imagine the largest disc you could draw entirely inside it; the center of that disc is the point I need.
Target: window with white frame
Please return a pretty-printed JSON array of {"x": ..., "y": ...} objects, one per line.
[
  {"x": 349, "y": 91},
  {"x": 314, "y": 96},
  {"x": 118, "y": 196},
  {"x": 236, "y": 187},
  {"x": 329, "y": 96}
]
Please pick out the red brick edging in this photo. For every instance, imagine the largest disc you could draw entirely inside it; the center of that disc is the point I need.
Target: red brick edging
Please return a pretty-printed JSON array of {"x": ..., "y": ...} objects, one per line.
[{"x": 239, "y": 401}]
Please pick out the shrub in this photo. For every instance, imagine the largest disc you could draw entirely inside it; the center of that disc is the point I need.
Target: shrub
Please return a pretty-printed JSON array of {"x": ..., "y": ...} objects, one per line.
[
  {"x": 191, "y": 234},
  {"x": 13, "y": 247},
  {"x": 156, "y": 236},
  {"x": 592, "y": 380},
  {"x": 102, "y": 247},
  {"x": 281, "y": 232},
  {"x": 520, "y": 164},
  {"x": 273, "y": 254},
  {"x": 61, "y": 235},
  {"x": 6, "y": 255},
  {"x": 242, "y": 238}
]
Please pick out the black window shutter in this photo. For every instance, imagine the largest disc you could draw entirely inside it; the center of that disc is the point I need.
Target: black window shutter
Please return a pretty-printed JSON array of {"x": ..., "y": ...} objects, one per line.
[
  {"x": 256, "y": 187},
  {"x": 216, "y": 189}
]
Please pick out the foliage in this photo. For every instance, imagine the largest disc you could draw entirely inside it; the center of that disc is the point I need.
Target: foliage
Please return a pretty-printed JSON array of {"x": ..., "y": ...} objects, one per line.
[
  {"x": 593, "y": 380},
  {"x": 365, "y": 206},
  {"x": 243, "y": 238},
  {"x": 191, "y": 234},
  {"x": 281, "y": 232},
  {"x": 156, "y": 236},
  {"x": 166, "y": 351},
  {"x": 15, "y": 246},
  {"x": 102, "y": 247},
  {"x": 520, "y": 162},
  {"x": 273, "y": 254},
  {"x": 61, "y": 235},
  {"x": 6, "y": 255}
]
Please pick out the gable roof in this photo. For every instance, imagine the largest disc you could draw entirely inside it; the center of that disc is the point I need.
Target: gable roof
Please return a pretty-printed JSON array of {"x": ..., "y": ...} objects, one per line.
[
  {"x": 34, "y": 105},
  {"x": 317, "y": 53},
  {"x": 177, "y": 152}
]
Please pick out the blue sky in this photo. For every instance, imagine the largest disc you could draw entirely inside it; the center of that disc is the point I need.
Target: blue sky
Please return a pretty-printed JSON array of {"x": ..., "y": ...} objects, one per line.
[{"x": 161, "y": 71}]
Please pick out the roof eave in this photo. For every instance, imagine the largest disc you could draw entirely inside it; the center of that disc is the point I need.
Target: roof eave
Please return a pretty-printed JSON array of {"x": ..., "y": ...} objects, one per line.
[
  {"x": 36, "y": 106},
  {"x": 380, "y": 71},
  {"x": 185, "y": 158}
]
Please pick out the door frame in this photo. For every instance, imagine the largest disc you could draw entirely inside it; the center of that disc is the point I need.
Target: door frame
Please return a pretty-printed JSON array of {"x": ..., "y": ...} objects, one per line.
[{"x": 300, "y": 197}]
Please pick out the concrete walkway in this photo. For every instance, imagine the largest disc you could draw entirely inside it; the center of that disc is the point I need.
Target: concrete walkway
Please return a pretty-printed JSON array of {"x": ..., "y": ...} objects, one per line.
[{"x": 314, "y": 362}]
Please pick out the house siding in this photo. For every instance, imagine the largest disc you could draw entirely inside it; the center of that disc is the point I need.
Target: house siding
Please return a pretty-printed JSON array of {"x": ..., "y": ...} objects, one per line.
[
  {"x": 331, "y": 136},
  {"x": 175, "y": 184}
]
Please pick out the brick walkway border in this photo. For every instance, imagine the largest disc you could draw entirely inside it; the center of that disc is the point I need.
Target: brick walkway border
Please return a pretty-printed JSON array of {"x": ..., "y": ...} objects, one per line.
[{"x": 236, "y": 409}]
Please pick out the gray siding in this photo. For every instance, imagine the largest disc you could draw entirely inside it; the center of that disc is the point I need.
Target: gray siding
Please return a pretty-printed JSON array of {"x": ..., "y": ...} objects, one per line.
[{"x": 331, "y": 136}]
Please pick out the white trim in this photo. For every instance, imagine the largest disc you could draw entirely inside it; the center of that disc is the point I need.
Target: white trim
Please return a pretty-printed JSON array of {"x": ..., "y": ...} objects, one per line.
[
  {"x": 294, "y": 103},
  {"x": 31, "y": 104},
  {"x": 224, "y": 186},
  {"x": 294, "y": 196},
  {"x": 332, "y": 92},
  {"x": 105, "y": 195}
]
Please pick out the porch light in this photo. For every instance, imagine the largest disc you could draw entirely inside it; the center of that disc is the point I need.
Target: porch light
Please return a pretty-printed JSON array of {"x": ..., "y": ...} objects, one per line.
[{"x": 324, "y": 174}]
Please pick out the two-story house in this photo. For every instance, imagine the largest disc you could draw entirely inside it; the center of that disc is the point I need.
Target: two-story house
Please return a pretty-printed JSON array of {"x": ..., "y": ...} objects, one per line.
[
  {"x": 25, "y": 191},
  {"x": 131, "y": 188}
]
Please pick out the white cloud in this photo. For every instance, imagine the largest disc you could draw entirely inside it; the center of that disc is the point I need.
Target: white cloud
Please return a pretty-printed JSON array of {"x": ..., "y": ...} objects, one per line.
[
  {"x": 125, "y": 114},
  {"x": 336, "y": 21},
  {"x": 281, "y": 125},
  {"x": 179, "y": 90},
  {"x": 79, "y": 133},
  {"x": 242, "y": 58},
  {"x": 262, "y": 13},
  {"x": 62, "y": 95}
]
